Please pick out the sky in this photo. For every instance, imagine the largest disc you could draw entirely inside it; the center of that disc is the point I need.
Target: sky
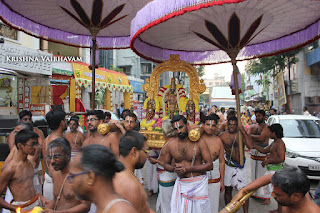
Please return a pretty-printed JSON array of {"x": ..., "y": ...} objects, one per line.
[{"x": 223, "y": 70}]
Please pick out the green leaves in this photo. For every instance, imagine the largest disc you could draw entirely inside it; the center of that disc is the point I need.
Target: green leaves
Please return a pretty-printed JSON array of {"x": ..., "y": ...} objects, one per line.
[{"x": 272, "y": 65}]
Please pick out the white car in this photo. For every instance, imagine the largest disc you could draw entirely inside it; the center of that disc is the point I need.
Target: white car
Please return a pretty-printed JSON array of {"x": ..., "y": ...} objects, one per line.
[{"x": 302, "y": 140}]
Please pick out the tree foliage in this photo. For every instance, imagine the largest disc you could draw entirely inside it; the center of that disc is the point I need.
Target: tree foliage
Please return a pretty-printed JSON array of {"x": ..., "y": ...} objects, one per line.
[
  {"x": 272, "y": 65},
  {"x": 200, "y": 70}
]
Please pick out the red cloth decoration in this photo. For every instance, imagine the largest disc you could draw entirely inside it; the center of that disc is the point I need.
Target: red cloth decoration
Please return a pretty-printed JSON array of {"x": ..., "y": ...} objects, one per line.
[
  {"x": 58, "y": 90},
  {"x": 79, "y": 105}
]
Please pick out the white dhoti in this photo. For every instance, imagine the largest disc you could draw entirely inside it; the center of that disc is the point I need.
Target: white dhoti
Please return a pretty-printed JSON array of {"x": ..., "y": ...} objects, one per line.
[
  {"x": 166, "y": 183},
  {"x": 48, "y": 187},
  {"x": 93, "y": 208},
  {"x": 38, "y": 179},
  {"x": 214, "y": 186},
  {"x": 257, "y": 171},
  {"x": 8, "y": 198},
  {"x": 27, "y": 205},
  {"x": 138, "y": 174},
  {"x": 267, "y": 189},
  {"x": 235, "y": 175},
  {"x": 151, "y": 174},
  {"x": 190, "y": 195}
]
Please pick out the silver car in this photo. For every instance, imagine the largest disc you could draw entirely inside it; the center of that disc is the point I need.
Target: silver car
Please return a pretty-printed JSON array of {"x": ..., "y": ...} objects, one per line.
[{"x": 302, "y": 140}]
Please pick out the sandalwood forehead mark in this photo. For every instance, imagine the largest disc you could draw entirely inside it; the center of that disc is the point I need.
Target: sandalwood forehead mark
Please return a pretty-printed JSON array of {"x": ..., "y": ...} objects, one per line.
[
  {"x": 177, "y": 125},
  {"x": 51, "y": 153}
]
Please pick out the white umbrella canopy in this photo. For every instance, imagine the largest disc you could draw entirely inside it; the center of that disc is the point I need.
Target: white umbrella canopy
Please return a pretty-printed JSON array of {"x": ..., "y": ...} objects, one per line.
[
  {"x": 68, "y": 21},
  {"x": 209, "y": 32},
  {"x": 199, "y": 29},
  {"x": 82, "y": 23}
]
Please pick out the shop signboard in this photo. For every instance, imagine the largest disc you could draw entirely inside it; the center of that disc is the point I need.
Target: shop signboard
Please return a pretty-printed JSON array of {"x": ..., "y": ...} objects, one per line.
[
  {"x": 137, "y": 86},
  {"x": 138, "y": 108},
  {"x": 38, "y": 109},
  {"x": 281, "y": 89},
  {"x": 20, "y": 93},
  {"x": 24, "y": 59}
]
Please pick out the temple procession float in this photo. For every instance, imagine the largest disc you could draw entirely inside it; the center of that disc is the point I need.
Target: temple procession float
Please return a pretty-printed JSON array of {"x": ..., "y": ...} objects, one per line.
[{"x": 170, "y": 100}]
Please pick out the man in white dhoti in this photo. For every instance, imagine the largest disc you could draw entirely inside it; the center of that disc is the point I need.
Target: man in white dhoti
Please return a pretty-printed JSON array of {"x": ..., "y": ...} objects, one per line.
[
  {"x": 192, "y": 160},
  {"x": 166, "y": 179},
  {"x": 275, "y": 158},
  {"x": 260, "y": 136},
  {"x": 57, "y": 123},
  {"x": 216, "y": 175},
  {"x": 151, "y": 174},
  {"x": 22, "y": 188},
  {"x": 235, "y": 174}
]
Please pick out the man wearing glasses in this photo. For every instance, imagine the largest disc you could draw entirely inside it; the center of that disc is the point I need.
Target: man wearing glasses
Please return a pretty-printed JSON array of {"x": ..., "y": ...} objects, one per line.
[
  {"x": 57, "y": 123},
  {"x": 59, "y": 155},
  {"x": 134, "y": 151},
  {"x": 216, "y": 175},
  {"x": 19, "y": 173},
  {"x": 110, "y": 140}
]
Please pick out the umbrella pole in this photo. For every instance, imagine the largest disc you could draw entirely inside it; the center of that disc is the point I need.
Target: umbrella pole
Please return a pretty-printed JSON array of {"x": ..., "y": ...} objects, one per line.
[
  {"x": 235, "y": 77},
  {"x": 93, "y": 96}
]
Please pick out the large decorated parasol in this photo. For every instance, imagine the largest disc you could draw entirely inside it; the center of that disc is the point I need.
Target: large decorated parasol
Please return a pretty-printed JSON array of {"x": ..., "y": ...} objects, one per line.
[
  {"x": 80, "y": 23},
  {"x": 210, "y": 32}
]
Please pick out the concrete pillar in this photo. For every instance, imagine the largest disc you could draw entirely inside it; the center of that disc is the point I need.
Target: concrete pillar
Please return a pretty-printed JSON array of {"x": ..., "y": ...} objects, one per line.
[
  {"x": 127, "y": 100},
  {"x": 108, "y": 99},
  {"x": 45, "y": 45}
]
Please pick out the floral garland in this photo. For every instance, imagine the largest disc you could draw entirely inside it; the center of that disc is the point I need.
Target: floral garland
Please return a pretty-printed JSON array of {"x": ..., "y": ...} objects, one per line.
[
  {"x": 197, "y": 111},
  {"x": 146, "y": 125}
]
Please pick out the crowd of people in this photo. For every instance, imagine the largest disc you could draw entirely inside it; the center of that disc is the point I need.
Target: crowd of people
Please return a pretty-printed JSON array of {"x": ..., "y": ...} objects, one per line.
[{"x": 102, "y": 173}]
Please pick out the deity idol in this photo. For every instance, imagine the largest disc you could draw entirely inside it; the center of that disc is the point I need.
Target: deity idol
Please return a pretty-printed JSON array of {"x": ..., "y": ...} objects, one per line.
[
  {"x": 151, "y": 109},
  {"x": 191, "y": 111},
  {"x": 171, "y": 100}
]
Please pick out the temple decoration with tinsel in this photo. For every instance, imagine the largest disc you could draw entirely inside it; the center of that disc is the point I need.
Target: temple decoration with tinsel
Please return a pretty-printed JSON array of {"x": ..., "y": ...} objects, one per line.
[{"x": 102, "y": 85}]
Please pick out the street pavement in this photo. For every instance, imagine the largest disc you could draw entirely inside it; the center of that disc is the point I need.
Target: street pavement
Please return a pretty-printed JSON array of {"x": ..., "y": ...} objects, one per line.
[{"x": 254, "y": 204}]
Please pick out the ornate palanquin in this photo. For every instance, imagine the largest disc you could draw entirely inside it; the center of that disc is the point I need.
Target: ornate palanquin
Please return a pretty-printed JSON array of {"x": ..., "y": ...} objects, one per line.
[{"x": 169, "y": 100}]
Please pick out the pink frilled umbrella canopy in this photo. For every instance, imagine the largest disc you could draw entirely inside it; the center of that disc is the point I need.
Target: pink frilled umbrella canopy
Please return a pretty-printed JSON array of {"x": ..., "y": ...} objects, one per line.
[
  {"x": 67, "y": 21},
  {"x": 200, "y": 30},
  {"x": 80, "y": 23},
  {"x": 209, "y": 32}
]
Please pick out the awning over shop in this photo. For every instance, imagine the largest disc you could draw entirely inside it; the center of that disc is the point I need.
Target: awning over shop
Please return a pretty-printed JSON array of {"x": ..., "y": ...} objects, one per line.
[
  {"x": 105, "y": 78},
  {"x": 62, "y": 68}
]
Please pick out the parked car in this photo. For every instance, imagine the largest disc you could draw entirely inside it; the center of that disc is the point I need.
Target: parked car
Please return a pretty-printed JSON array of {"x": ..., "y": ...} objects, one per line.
[{"x": 302, "y": 140}]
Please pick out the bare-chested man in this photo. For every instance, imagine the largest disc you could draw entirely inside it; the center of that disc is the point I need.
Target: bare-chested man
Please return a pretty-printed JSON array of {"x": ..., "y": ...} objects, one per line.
[
  {"x": 224, "y": 125},
  {"x": 57, "y": 123},
  {"x": 192, "y": 161},
  {"x": 134, "y": 151},
  {"x": 75, "y": 137},
  {"x": 235, "y": 174},
  {"x": 291, "y": 187},
  {"x": 110, "y": 140},
  {"x": 19, "y": 173},
  {"x": 38, "y": 175},
  {"x": 166, "y": 179},
  {"x": 59, "y": 154},
  {"x": 216, "y": 175},
  {"x": 276, "y": 156},
  {"x": 260, "y": 135},
  {"x": 24, "y": 116},
  {"x": 91, "y": 174}
]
